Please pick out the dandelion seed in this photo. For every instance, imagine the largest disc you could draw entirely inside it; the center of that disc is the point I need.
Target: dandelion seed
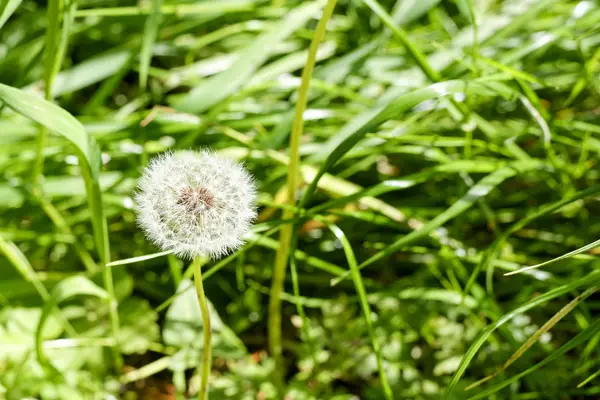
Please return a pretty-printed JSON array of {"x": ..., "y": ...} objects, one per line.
[{"x": 195, "y": 203}]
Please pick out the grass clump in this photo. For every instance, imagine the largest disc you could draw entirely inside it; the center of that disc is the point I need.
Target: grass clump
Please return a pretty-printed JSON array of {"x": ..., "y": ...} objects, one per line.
[{"x": 411, "y": 160}]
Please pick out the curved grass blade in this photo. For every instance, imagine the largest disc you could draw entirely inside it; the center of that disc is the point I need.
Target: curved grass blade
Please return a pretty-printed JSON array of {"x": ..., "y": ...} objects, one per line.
[
  {"x": 588, "y": 379},
  {"x": 356, "y": 129},
  {"x": 536, "y": 336},
  {"x": 364, "y": 302},
  {"x": 564, "y": 256},
  {"x": 481, "y": 189},
  {"x": 293, "y": 181},
  {"x": 585, "y": 335},
  {"x": 487, "y": 261},
  {"x": 590, "y": 279},
  {"x": 49, "y": 115},
  {"x": 7, "y": 10},
  {"x": 134, "y": 260},
  {"x": 60, "y": 121}
]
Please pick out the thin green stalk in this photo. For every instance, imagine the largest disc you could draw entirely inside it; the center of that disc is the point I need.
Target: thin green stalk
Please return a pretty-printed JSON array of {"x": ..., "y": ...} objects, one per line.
[
  {"x": 364, "y": 302},
  {"x": 147, "y": 370},
  {"x": 175, "y": 269},
  {"x": 51, "y": 54},
  {"x": 206, "y": 349},
  {"x": 107, "y": 279},
  {"x": 55, "y": 49},
  {"x": 281, "y": 258},
  {"x": 100, "y": 228},
  {"x": 299, "y": 307}
]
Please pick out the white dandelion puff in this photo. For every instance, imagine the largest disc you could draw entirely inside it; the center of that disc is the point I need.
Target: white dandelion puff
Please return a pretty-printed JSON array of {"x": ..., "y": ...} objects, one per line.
[{"x": 195, "y": 203}]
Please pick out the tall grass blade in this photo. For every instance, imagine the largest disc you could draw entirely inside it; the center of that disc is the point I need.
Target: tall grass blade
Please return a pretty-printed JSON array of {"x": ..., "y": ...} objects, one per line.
[
  {"x": 150, "y": 33},
  {"x": 285, "y": 237},
  {"x": 364, "y": 303}
]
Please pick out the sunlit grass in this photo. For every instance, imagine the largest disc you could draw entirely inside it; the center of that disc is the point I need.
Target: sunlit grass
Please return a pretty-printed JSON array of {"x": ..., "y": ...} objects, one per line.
[{"x": 442, "y": 236}]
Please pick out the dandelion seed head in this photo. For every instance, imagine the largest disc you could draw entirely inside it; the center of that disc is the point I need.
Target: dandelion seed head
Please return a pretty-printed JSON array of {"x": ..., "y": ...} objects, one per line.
[{"x": 195, "y": 203}]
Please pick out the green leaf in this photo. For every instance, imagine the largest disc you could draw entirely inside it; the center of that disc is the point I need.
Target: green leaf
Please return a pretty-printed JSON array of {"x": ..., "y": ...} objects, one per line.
[
  {"x": 8, "y": 9},
  {"x": 150, "y": 32},
  {"x": 50, "y": 115},
  {"x": 60, "y": 121},
  {"x": 223, "y": 85}
]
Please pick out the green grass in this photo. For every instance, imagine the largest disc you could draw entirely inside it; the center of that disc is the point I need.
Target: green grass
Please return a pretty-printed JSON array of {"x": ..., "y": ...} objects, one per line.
[{"x": 438, "y": 148}]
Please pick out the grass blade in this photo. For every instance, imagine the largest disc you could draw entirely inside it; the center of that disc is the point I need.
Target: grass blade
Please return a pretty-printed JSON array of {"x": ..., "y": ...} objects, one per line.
[
  {"x": 49, "y": 115},
  {"x": 7, "y": 10},
  {"x": 487, "y": 262},
  {"x": 60, "y": 121},
  {"x": 582, "y": 337},
  {"x": 354, "y": 131},
  {"x": 590, "y": 279},
  {"x": 564, "y": 256},
  {"x": 150, "y": 33},
  {"x": 200, "y": 8},
  {"x": 481, "y": 189},
  {"x": 536, "y": 336},
  {"x": 364, "y": 302},
  {"x": 134, "y": 260},
  {"x": 285, "y": 237},
  {"x": 399, "y": 33},
  {"x": 223, "y": 85}
]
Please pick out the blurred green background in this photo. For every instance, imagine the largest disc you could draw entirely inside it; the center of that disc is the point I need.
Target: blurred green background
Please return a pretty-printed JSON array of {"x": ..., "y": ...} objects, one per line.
[{"x": 455, "y": 141}]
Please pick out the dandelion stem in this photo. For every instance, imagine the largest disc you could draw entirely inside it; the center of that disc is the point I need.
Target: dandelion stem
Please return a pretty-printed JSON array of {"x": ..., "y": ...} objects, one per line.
[{"x": 206, "y": 349}]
